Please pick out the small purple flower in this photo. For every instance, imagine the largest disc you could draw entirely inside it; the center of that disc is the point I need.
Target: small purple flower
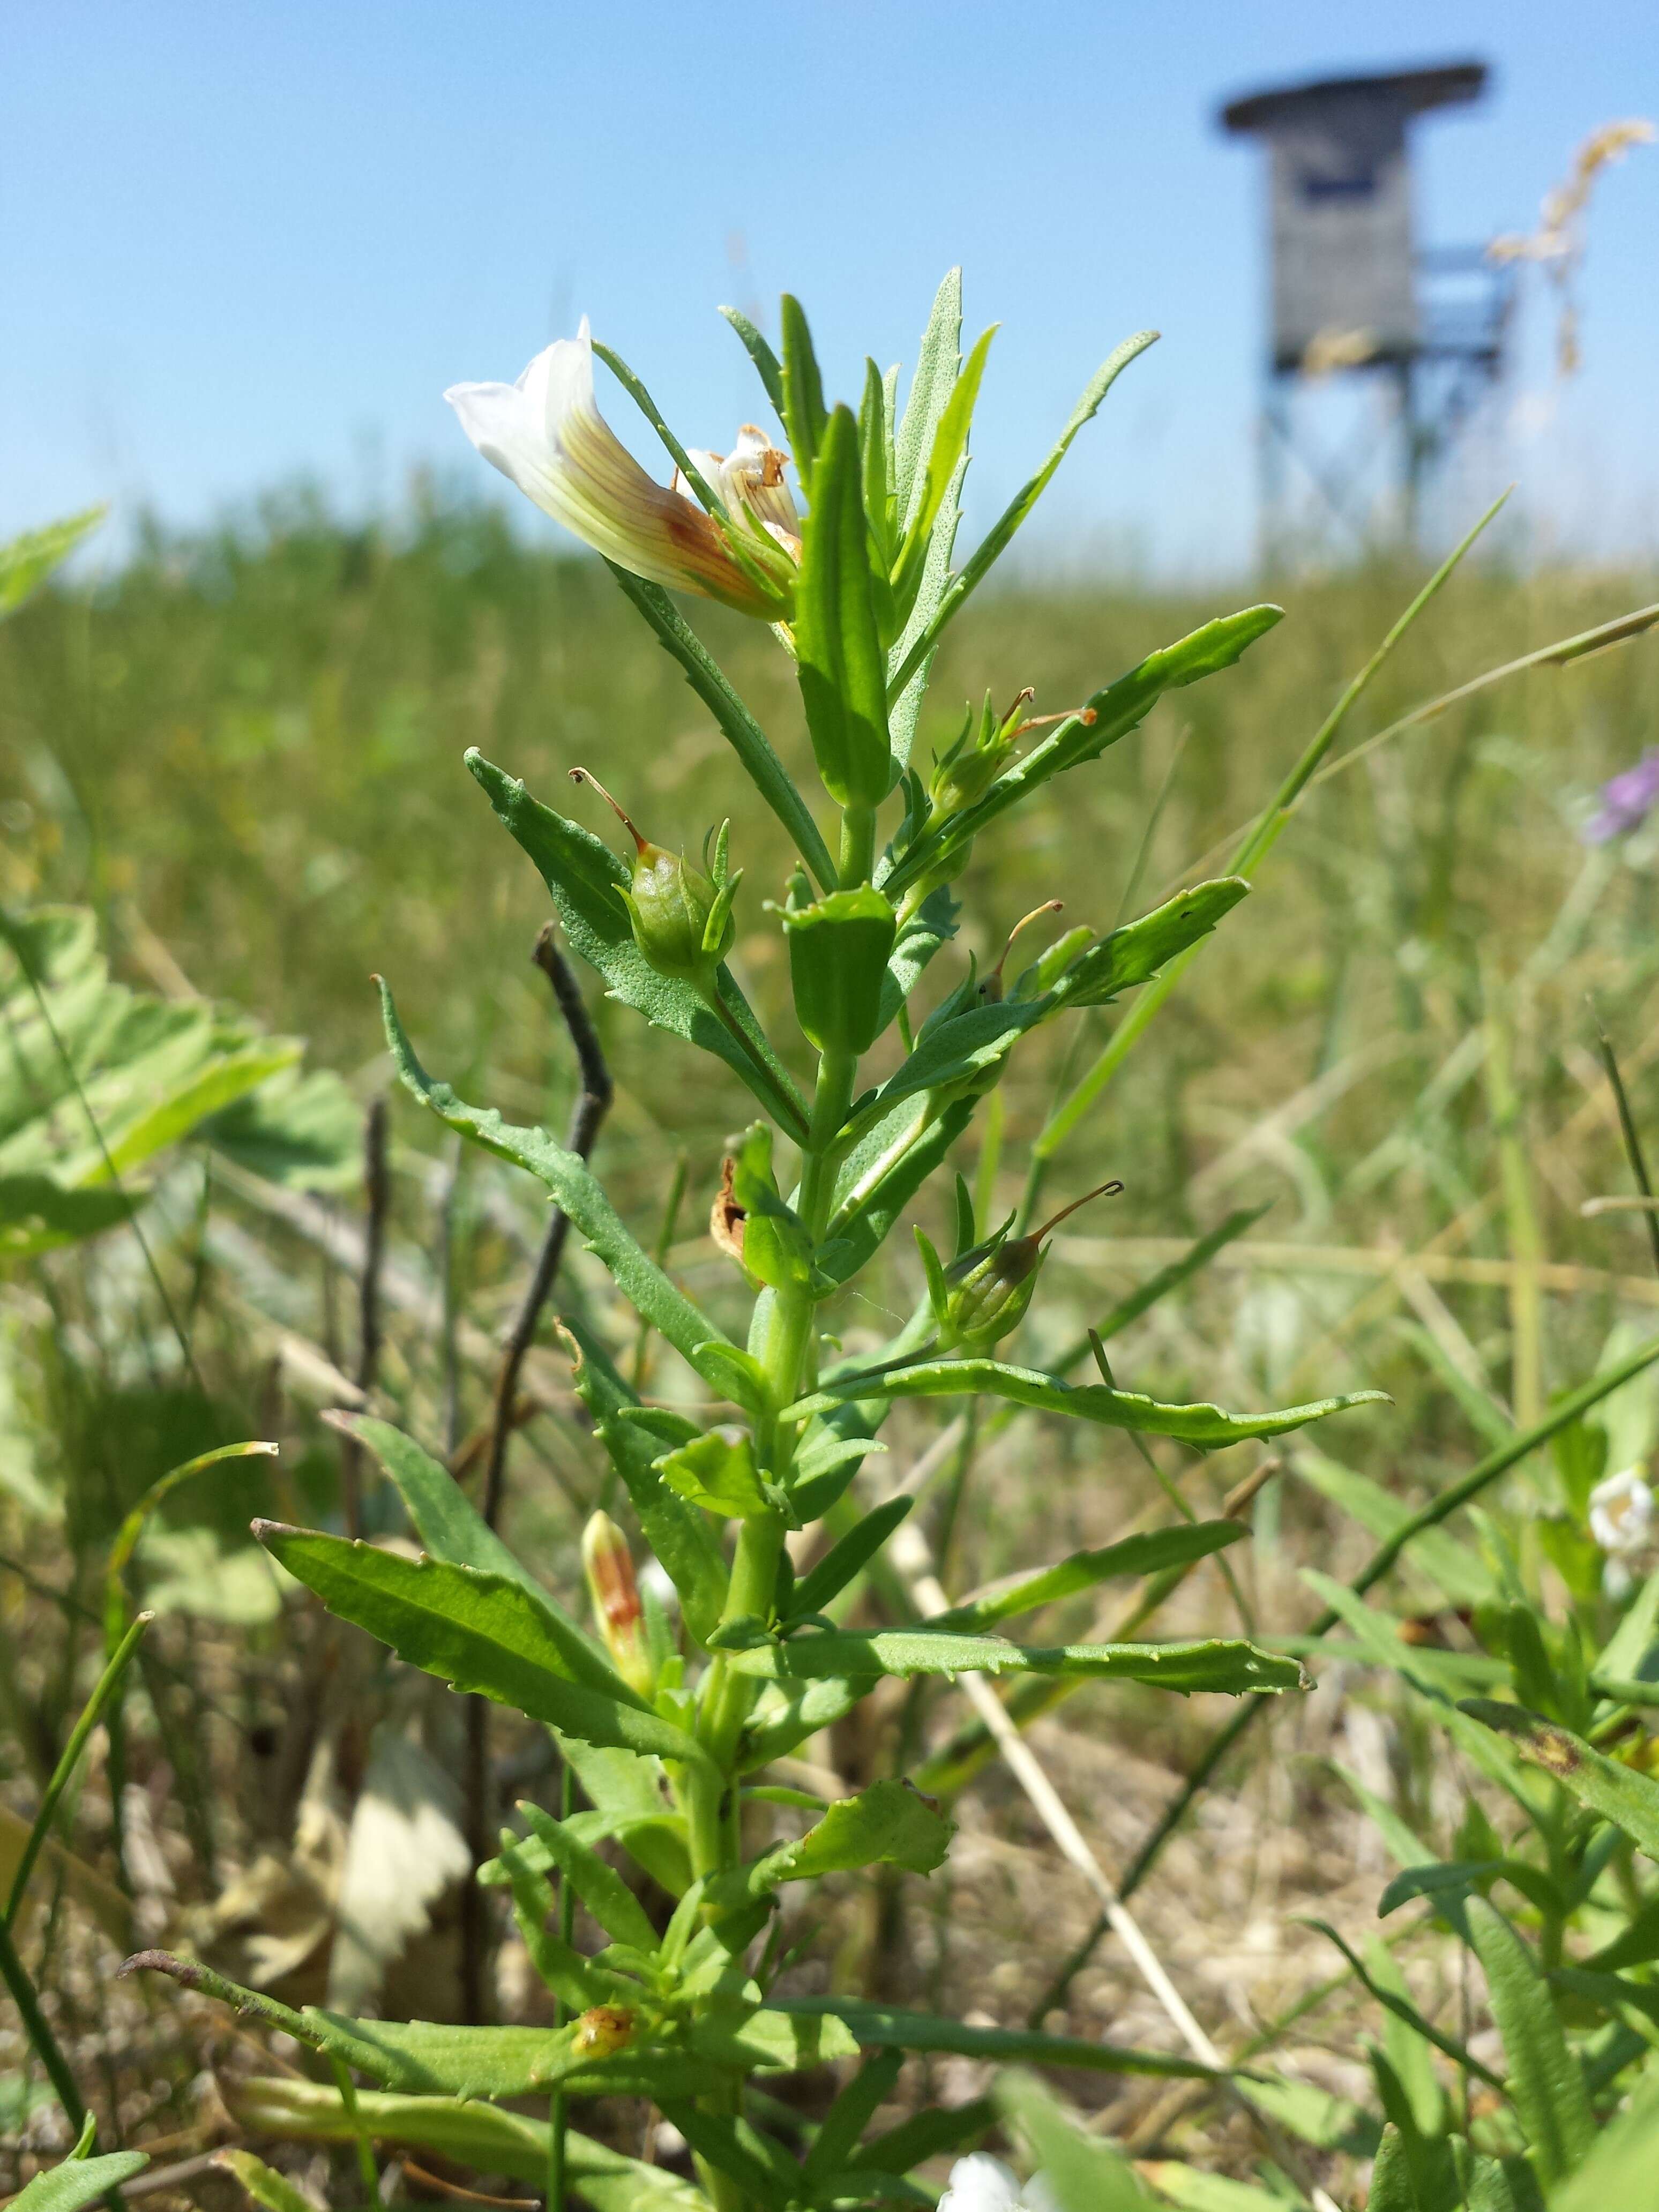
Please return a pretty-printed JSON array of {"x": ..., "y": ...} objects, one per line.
[{"x": 1626, "y": 801}]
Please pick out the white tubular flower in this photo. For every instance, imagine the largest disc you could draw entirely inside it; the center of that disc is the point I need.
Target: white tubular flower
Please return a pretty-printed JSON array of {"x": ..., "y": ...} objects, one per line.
[
  {"x": 546, "y": 434},
  {"x": 1621, "y": 1513},
  {"x": 983, "y": 2183}
]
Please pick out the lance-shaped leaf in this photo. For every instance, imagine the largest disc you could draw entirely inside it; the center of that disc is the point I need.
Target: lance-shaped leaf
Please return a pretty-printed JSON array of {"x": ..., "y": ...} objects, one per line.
[
  {"x": 679, "y": 1536},
  {"x": 945, "y": 459},
  {"x": 1120, "y": 708},
  {"x": 939, "y": 361},
  {"x": 1546, "y": 2082},
  {"x": 578, "y": 1982},
  {"x": 762, "y": 2040},
  {"x": 997, "y": 538},
  {"x": 880, "y": 2027},
  {"x": 485, "y": 2137},
  {"x": 78, "y": 2181},
  {"x": 599, "y": 1886},
  {"x": 859, "y": 1233},
  {"x": 842, "y": 669},
  {"x": 479, "y": 1632},
  {"x": 964, "y": 1048},
  {"x": 450, "y": 1527},
  {"x": 1618, "y": 1793},
  {"x": 574, "y": 1189},
  {"x": 25, "y": 562},
  {"x": 1218, "y": 1664},
  {"x": 802, "y": 392},
  {"x": 1207, "y": 1428},
  {"x": 737, "y": 726},
  {"x": 847, "y": 1559},
  {"x": 428, "y": 2057},
  {"x": 1134, "y": 953},
  {"x": 586, "y": 880},
  {"x": 1145, "y": 1554}
]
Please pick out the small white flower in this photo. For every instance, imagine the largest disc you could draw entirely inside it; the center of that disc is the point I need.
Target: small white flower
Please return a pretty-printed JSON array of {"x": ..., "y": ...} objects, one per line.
[
  {"x": 983, "y": 2183},
  {"x": 1621, "y": 1513},
  {"x": 546, "y": 435}
]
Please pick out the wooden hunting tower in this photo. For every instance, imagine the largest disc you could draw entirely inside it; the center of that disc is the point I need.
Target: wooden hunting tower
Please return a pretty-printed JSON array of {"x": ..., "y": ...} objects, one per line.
[{"x": 1352, "y": 295}]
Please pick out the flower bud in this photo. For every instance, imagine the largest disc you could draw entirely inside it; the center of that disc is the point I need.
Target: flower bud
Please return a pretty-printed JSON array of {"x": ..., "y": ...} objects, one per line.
[
  {"x": 682, "y": 921},
  {"x": 608, "y": 1566},
  {"x": 965, "y": 771},
  {"x": 604, "y": 2030},
  {"x": 982, "y": 1297}
]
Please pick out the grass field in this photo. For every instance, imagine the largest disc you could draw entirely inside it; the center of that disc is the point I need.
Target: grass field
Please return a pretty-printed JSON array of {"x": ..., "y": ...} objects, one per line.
[{"x": 245, "y": 752}]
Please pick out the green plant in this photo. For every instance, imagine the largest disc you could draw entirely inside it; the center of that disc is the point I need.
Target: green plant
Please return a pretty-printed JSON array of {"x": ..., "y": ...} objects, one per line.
[
  {"x": 1545, "y": 1889},
  {"x": 663, "y": 1733}
]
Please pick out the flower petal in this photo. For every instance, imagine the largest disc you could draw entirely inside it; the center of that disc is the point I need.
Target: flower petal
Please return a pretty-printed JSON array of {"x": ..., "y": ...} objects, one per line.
[{"x": 545, "y": 433}]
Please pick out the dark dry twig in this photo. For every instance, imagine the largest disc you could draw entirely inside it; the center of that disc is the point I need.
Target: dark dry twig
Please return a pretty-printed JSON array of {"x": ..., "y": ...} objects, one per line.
[
  {"x": 591, "y": 1103},
  {"x": 1638, "y": 1166},
  {"x": 377, "y": 1190}
]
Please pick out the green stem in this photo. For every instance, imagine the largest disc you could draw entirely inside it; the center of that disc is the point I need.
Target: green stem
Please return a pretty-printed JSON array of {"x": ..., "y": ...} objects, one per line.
[
  {"x": 858, "y": 847},
  {"x": 15, "y": 1975}
]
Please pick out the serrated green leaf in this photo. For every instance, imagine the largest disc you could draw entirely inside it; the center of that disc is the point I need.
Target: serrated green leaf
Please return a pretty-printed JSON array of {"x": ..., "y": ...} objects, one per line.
[
  {"x": 1229, "y": 1667},
  {"x": 1146, "y": 1554},
  {"x": 1205, "y": 1427},
  {"x": 479, "y": 1632},
  {"x": 1618, "y": 1793},
  {"x": 1134, "y": 953},
  {"x": 964, "y": 1046},
  {"x": 718, "y": 1474},
  {"x": 574, "y": 1189},
  {"x": 27, "y": 561},
  {"x": 1120, "y": 708},
  {"x": 889, "y": 1823},
  {"x": 839, "y": 659},
  {"x": 450, "y": 1527},
  {"x": 427, "y": 2057},
  {"x": 1545, "y": 2085},
  {"x": 586, "y": 881}
]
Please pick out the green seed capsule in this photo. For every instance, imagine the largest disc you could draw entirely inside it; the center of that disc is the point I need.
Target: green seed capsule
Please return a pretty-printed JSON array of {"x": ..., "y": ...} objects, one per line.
[{"x": 682, "y": 921}]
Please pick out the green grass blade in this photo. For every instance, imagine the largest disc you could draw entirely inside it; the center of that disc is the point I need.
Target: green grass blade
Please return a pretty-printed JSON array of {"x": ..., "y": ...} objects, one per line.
[{"x": 106, "y": 1685}]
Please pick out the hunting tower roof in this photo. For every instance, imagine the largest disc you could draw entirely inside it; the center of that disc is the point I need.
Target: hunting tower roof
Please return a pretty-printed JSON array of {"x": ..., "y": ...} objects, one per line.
[{"x": 1448, "y": 86}]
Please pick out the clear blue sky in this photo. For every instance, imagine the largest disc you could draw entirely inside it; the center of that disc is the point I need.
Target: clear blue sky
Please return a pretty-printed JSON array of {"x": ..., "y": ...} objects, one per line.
[{"x": 243, "y": 243}]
